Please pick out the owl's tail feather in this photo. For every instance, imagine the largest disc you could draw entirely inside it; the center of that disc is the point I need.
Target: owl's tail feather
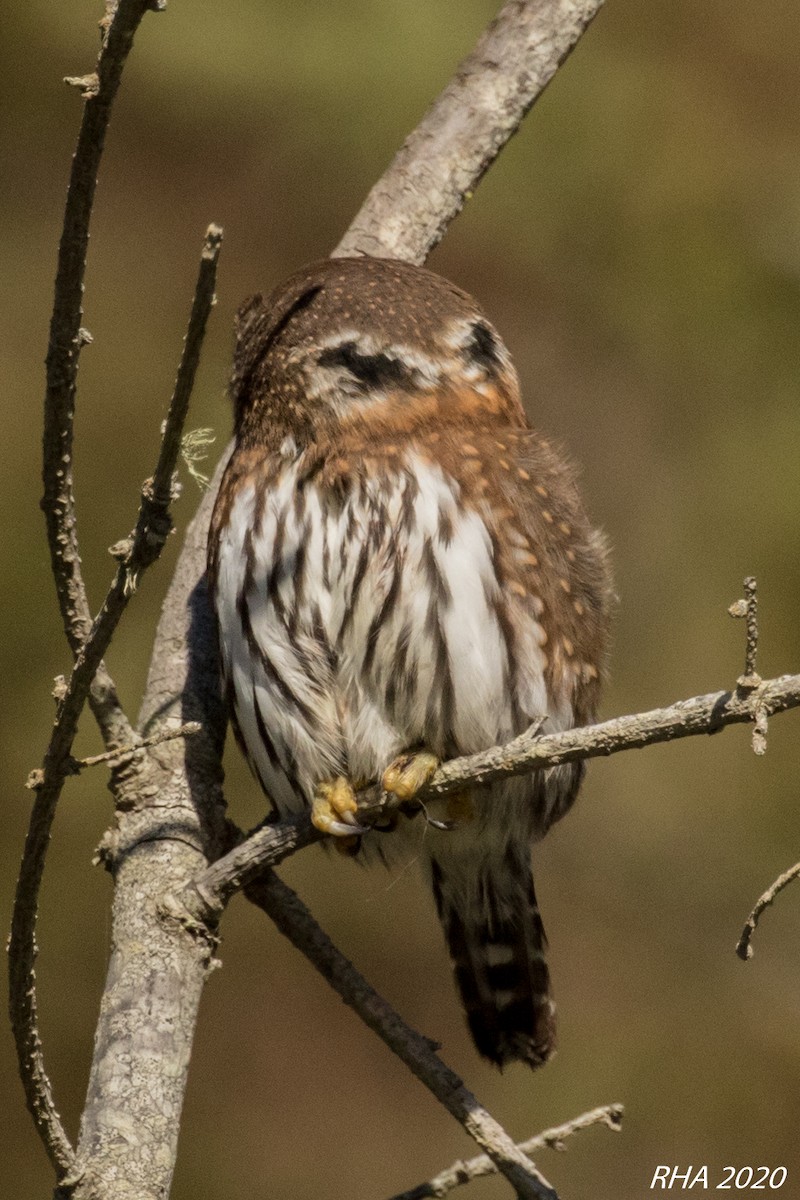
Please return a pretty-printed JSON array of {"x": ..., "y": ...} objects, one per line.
[{"x": 498, "y": 955}]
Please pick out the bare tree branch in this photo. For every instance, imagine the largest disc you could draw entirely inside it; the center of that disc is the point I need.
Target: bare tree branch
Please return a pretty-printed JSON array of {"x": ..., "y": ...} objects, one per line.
[
  {"x": 23, "y": 1008},
  {"x": 743, "y": 947},
  {"x": 409, "y": 209},
  {"x": 206, "y": 896},
  {"x": 170, "y": 819},
  {"x": 138, "y": 552},
  {"x": 170, "y": 806},
  {"x": 160, "y": 492},
  {"x": 460, "y": 1172},
  {"x": 296, "y": 922},
  {"x": 141, "y": 551},
  {"x": 748, "y": 608},
  {"x": 123, "y": 755},
  {"x": 67, "y": 338}
]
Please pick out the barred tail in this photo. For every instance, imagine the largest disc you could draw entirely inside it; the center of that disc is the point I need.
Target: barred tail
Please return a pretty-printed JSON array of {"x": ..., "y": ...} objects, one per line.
[{"x": 497, "y": 947}]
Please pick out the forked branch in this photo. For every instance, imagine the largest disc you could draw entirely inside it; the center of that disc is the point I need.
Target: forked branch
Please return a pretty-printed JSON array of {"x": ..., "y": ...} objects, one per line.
[
  {"x": 67, "y": 339},
  {"x": 141, "y": 550},
  {"x": 65, "y": 343},
  {"x": 206, "y": 896},
  {"x": 295, "y": 921},
  {"x": 460, "y": 1172}
]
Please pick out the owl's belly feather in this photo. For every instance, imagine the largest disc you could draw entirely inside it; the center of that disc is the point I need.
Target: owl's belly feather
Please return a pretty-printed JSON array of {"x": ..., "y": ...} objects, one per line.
[{"x": 352, "y": 630}]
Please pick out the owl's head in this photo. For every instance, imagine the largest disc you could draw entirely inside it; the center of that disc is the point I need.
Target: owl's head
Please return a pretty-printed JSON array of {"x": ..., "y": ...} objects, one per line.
[{"x": 351, "y": 335}]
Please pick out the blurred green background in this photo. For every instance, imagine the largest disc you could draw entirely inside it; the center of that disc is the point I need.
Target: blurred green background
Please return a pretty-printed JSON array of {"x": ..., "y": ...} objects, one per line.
[{"x": 639, "y": 245}]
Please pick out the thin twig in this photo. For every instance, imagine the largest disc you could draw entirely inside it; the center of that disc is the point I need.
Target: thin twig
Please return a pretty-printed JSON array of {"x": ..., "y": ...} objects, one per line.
[
  {"x": 146, "y": 543},
  {"x": 460, "y": 1172},
  {"x": 409, "y": 209},
  {"x": 751, "y": 677},
  {"x": 67, "y": 337},
  {"x": 22, "y": 1002},
  {"x": 153, "y": 525},
  {"x": 206, "y": 896},
  {"x": 160, "y": 491},
  {"x": 126, "y": 753},
  {"x": 743, "y": 947},
  {"x": 66, "y": 340},
  {"x": 748, "y": 608},
  {"x": 295, "y": 921}
]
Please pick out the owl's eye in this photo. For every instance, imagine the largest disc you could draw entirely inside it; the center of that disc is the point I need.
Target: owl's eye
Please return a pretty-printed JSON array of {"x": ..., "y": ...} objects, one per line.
[{"x": 372, "y": 371}]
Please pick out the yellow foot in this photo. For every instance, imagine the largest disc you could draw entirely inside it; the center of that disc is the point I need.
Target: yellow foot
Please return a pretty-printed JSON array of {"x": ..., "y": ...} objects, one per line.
[
  {"x": 409, "y": 773},
  {"x": 334, "y": 808}
]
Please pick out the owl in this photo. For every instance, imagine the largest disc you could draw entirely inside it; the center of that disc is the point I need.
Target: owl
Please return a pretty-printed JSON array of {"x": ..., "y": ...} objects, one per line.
[{"x": 402, "y": 572}]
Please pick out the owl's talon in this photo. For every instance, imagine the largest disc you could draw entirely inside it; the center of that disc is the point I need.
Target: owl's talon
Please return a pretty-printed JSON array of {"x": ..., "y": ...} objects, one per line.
[
  {"x": 334, "y": 807},
  {"x": 409, "y": 773},
  {"x": 337, "y": 828}
]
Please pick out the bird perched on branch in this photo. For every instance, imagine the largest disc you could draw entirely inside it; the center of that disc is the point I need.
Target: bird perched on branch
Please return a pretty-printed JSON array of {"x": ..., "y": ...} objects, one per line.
[{"x": 403, "y": 572}]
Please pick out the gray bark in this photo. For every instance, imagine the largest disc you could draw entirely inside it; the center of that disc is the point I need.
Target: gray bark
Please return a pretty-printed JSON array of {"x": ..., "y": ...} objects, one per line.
[{"x": 170, "y": 822}]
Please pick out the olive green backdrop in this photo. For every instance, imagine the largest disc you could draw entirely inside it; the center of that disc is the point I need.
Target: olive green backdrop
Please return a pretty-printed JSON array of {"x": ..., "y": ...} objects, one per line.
[{"x": 638, "y": 244}]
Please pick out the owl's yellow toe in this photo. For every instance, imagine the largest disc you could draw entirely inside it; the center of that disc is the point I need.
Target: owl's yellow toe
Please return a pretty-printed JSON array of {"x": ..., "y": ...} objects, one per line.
[
  {"x": 409, "y": 773},
  {"x": 334, "y": 807}
]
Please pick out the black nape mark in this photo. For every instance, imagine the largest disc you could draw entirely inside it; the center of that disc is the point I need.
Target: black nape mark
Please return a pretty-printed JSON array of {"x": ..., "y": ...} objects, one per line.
[
  {"x": 482, "y": 348},
  {"x": 371, "y": 370}
]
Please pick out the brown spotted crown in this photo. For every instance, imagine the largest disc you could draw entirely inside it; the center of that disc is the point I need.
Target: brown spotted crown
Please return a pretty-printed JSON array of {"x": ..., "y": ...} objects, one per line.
[{"x": 345, "y": 334}]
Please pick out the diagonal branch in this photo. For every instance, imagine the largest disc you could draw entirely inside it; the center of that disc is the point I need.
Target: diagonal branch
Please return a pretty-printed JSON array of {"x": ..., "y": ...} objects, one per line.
[
  {"x": 206, "y": 896},
  {"x": 460, "y": 1172},
  {"x": 409, "y": 209},
  {"x": 160, "y": 492},
  {"x": 142, "y": 550},
  {"x": 295, "y": 921}
]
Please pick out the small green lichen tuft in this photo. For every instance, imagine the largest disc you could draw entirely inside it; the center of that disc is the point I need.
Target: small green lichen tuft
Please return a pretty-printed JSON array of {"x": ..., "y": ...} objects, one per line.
[{"x": 194, "y": 449}]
